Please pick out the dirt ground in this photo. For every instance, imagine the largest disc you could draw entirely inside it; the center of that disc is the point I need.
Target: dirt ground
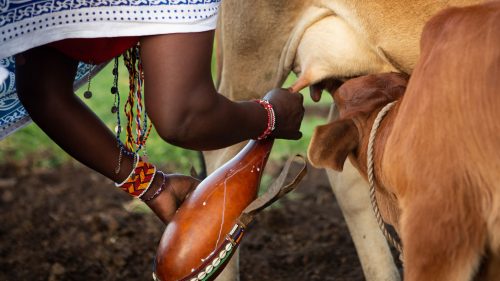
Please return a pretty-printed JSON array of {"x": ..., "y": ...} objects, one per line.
[{"x": 72, "y": 224}]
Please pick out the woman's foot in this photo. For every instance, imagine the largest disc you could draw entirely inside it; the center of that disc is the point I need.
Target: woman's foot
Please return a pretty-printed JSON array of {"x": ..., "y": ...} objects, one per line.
[{"x": 167, "y": 193}]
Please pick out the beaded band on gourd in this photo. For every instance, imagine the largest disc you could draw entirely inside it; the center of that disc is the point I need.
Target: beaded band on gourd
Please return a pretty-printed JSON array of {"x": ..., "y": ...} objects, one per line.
[
  {"x": 271, "y": 119},
  {"x": 218, "y": 258},
  {"x": 140, "y": 179}
]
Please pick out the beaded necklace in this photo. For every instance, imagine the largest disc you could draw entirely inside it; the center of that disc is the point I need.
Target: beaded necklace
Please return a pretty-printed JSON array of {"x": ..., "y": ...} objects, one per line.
[{"x": 132, "y": 145}]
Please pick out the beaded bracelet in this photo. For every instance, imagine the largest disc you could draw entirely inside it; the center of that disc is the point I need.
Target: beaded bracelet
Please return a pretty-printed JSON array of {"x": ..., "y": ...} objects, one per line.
[
  {"x": 158, "y": 191},
  {"x": 140, "y": 179},
  {"x": 271, "y": 118},
  {"x": 136, "y": 158}
]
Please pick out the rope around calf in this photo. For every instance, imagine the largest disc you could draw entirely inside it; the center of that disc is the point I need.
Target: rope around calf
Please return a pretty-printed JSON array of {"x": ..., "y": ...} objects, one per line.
[{"x": 371, "y": 178}]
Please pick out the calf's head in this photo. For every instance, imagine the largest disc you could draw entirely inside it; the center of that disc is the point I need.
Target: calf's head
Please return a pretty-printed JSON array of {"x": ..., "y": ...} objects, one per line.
[{"x": 358, "y": 101}]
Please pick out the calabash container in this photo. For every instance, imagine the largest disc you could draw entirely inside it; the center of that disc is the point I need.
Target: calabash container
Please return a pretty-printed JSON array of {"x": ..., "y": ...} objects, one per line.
[{"x": 205, "y": 232}]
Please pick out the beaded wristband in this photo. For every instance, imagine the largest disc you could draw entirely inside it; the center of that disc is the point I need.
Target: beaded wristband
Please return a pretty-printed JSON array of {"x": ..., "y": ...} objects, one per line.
[
  {"x": 140, "y": 179},
  {"x": 157, "y": 192},
  {"x": 271, "y": 118}
]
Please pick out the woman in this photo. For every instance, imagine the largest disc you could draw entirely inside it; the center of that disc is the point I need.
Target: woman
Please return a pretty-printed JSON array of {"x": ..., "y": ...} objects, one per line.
[{"x": 49, "y": 37}]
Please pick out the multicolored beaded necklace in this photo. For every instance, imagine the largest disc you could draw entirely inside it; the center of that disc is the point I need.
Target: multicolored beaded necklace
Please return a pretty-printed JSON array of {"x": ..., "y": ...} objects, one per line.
[{"x": 132, "y": 145}]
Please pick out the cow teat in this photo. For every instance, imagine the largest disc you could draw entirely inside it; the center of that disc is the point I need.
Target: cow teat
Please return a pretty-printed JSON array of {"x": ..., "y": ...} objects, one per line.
[{"x": 331, "y": 48}]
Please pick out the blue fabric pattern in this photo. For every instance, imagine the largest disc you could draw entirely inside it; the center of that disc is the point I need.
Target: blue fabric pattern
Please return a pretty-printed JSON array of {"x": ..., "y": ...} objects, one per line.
[
  {"x": 12, "y": 113},
  {"x": 16, "y": 10},
  {"x": 90, "y": 18}
]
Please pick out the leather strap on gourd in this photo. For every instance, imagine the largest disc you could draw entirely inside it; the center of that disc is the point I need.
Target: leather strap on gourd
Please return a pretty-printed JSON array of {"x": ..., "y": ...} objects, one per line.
[{"x": 277, "y": 190}]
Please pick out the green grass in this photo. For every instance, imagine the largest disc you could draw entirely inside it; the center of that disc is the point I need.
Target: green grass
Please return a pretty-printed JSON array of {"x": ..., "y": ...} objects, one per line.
[{"x": 31, "y": 144}]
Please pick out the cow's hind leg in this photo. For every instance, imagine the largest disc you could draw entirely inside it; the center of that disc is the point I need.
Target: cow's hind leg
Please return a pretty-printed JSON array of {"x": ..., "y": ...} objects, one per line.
[{"x": 351, "y": 191}]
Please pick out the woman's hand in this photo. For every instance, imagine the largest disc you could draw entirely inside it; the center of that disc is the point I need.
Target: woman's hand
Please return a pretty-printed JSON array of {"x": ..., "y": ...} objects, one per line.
[
  {"x": 289, "y": 110},
  {"x": 175, "y": 189}
]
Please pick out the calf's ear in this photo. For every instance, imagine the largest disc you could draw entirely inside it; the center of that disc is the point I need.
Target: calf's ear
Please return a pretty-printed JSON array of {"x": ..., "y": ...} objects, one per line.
[{"x": 331, "y": 144}]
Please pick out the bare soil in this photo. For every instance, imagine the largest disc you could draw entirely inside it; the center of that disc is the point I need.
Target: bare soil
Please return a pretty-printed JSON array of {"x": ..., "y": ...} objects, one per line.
[{"x": 72, "y": 224}]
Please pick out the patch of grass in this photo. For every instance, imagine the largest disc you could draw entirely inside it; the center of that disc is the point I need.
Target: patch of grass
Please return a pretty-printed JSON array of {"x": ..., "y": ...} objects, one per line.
[{"x": 31, "y": 145}]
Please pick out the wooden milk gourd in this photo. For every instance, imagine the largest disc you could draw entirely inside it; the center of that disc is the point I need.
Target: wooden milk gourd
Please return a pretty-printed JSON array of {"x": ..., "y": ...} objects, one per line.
[{"x": 190, "y": 248}]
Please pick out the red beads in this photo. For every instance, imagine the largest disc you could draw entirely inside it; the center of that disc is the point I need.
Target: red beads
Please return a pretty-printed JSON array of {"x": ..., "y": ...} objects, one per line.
[{"x": 271, "y": 118}]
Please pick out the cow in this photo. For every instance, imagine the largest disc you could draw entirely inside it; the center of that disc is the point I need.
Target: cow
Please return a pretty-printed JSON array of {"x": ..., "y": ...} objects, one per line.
[
  {"x": 436, "y": 153},
  {"x": 261, "y": 41}
]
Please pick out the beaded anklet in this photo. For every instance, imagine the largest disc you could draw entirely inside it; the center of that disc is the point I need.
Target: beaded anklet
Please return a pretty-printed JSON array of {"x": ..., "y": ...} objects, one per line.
[
  {"x": 140, "y": 178},
  {"x": 271, "y": 118}
]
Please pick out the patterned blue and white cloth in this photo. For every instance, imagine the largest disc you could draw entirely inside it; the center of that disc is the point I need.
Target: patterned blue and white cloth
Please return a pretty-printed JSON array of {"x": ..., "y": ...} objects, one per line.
[{"x": 25, "y": 24}]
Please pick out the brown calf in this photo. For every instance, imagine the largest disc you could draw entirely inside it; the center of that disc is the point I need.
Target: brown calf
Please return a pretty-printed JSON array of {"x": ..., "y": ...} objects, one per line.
[{"x": 437, "y": 152}]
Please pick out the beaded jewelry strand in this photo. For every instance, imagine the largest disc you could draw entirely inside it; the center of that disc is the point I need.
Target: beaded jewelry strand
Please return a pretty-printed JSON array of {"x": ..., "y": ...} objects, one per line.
[
  {"x": 88, "y": 94},
  {"x": 115, "y": 110},
  {"x": 142, "y": 175},
  {"x": 136, "y": 81}
]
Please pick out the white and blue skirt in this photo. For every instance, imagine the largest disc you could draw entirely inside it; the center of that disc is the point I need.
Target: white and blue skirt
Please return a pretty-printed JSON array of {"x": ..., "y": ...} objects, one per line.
[{"x": 25, "y": 24}]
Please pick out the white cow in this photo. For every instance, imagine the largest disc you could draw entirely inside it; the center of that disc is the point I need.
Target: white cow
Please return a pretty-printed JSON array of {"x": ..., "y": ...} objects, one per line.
[{"x": 261, "y": 41}]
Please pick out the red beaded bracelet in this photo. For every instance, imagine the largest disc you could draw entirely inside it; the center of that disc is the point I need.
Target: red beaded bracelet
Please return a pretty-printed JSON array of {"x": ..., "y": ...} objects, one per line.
[{"x": 271, "y": 118}]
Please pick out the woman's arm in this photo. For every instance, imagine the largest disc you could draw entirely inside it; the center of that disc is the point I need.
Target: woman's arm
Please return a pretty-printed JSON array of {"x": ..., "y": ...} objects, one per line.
[{"x": 187, "y": 110}]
